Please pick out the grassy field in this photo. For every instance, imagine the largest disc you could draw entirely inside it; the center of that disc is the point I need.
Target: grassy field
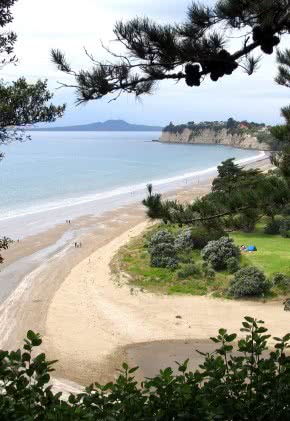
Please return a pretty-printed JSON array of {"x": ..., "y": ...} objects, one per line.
[
  {"x": 273, "y": 255},
  {"x": 273, "y": 251}
]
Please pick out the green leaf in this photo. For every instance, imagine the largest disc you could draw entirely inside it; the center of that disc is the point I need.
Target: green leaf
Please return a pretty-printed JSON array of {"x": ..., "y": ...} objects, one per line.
[{"x": 232, "y": 337}]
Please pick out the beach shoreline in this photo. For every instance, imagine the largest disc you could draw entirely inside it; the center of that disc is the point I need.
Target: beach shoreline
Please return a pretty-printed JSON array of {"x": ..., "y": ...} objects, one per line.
[{"x": 34, "y": 304}]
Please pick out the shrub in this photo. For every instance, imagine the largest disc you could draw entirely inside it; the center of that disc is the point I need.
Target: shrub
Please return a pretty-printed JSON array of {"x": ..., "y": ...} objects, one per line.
[
  {"x": 285, "y": 228},
  {"x": 272, "y": 227},
  {"x": 162, "y": 251},
  {"x": 184, "y": 240},
  {"x": 188, "y": 270},
  {"x": 161, "y": 237},
  {"x": 281, "y": 280},
  {"x": 218, "y": 252},
  {"x": 233, "y": 265},
  {"x": 164, "y": 262},
  {"x": 201, "y": 236},
  {"x": 185, "y": 258},
  {"x": 249, "y": 282}
]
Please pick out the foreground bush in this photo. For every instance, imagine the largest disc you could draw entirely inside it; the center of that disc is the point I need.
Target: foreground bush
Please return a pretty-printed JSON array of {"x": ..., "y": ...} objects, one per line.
[
  {"x": 249, "y": 282},
  {"x": 218, "y": 252},
  {"x": 250, "y": 384}
]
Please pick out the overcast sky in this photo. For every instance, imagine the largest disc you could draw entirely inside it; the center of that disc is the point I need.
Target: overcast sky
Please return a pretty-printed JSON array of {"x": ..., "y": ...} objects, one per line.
[{"x": 70, "y": 25}]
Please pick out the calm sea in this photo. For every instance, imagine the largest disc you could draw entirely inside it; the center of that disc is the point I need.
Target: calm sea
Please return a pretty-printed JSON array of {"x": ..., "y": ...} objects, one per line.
[{"x": 57, "y": 169}]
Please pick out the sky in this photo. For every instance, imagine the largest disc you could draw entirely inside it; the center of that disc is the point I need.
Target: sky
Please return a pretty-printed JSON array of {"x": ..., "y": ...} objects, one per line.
[{"x": 71, "y": 25}]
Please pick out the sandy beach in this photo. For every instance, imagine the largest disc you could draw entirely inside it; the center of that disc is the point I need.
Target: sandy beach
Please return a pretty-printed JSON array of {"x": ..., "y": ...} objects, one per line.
[{"x": 90, "y": 322}]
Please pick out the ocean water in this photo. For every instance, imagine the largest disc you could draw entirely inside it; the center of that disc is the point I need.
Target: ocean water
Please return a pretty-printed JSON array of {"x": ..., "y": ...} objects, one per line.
[{"x": 60, "y": 169}]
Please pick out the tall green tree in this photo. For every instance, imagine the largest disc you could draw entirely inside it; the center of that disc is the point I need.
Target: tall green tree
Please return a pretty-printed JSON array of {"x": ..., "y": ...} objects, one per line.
[
  {"x": 281, "y": 134},
  {"x": 189, "y": 51},
  {"x": 238, "y": 198}
]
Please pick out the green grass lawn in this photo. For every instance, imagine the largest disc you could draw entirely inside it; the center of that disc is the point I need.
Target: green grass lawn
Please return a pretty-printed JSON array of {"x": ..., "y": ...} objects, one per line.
[
  {"x": 273, "y": 251},
  {"x": 273, "y": 255}
]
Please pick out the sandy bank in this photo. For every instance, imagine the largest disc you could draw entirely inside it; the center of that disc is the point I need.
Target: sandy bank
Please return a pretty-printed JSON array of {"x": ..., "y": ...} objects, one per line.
[{"x": 92, "y": 320}]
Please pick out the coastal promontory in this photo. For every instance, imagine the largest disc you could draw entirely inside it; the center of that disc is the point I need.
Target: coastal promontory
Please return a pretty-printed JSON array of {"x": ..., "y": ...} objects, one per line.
[{"x": 244, "y": 134}]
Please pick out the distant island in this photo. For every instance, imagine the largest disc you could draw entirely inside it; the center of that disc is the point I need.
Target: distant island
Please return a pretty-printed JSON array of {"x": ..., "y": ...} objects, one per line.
[
  {"x": 107, "y": 126},
  {"x": 241, "y": 134}
]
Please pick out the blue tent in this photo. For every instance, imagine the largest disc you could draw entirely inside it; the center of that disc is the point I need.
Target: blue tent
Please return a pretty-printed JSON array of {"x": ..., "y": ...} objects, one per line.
[{"x": 252, "y": 248}]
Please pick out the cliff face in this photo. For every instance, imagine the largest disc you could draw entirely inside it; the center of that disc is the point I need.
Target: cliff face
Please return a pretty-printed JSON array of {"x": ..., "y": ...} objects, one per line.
[{"x": 212, "y": 137}]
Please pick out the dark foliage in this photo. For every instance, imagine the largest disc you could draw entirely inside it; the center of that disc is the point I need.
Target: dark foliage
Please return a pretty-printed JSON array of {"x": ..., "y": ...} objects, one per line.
[
  {"x": 237, "y": 200},
  {"x": 281, "y": 280},
  {"x": 285, "y": 228},
  {"x": 273, "y": 227},
  {"x": 189, "y": 51},
  {"x": 242, "y": 380},
  {"x": 217, "y": 253},
  {"x": 22, "y": 104},
  {"x": 201, "y": 236},
  {"x": 249, "y": 282},
  {"x": 233, "y": 265}
]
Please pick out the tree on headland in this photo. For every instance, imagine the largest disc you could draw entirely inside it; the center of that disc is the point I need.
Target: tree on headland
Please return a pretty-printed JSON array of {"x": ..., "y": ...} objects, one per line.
[
  {"x": 188, "y": 51},
  {"x": 21, "y": 103}
]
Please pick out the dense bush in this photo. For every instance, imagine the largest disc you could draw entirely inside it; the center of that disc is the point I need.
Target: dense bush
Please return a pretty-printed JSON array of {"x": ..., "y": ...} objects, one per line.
[
  {"x": 162, "y": 251},
  {"x": 249, "y": 282},
  {"x": 285, "y": 228},
  {"x": 161, "y": 237},
  {"x": 184, "y": 240},
  {"x": 233, "y": 265},
  {"x": 218, "y": 252},
  {"x": 273, "y": 227},
  {"x": 201, "y": 236},
  {"x": 281, "y": 280},
  {"x": 188, "y": 270},
  {"x": 253, "y": 385}
]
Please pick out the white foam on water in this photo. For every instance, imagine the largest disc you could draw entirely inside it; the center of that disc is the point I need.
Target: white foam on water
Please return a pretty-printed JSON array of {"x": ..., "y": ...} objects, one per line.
[{"x": 94, "y": 197}]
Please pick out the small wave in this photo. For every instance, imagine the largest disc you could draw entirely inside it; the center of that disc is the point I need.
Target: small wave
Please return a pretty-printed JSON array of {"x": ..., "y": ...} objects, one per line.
[{"x": 51, "y": 206}]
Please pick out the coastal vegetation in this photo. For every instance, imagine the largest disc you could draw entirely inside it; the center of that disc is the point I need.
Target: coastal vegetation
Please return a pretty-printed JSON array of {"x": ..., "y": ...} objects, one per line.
[
  {"x": 198, "y": 272},
  {"x": 245, "y": 379},
  {"x": 231, "y": 126}
]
